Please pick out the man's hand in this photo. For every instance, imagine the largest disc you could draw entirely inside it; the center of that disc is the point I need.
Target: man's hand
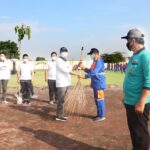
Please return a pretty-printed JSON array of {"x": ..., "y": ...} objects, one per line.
[
  {"x": 81, "y": 76},
  {"x": 139, "y": 107},
  {"x": 81, "y": 65}
]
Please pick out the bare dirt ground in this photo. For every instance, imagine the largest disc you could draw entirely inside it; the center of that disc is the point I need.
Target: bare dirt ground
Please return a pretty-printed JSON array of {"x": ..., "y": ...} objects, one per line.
[{"x": 34, "y": 127}]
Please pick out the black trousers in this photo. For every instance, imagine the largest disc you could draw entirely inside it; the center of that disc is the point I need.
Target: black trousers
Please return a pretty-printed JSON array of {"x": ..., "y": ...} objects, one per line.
[
  {"x": 52, "y": 90},
  {"x": 61, "y": 93},
  {"x": 3, "y": 87},
  {"x": 25, "y": 88},
  {"x": 138, "y": 126}
]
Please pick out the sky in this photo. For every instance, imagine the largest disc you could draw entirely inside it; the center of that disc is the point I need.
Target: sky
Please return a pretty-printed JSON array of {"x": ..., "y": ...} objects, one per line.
[{"x": 73, "y": 24}]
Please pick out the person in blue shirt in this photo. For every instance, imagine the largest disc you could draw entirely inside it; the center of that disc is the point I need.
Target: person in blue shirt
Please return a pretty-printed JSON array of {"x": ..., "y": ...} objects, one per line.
[
  {"x": 136, "y": 90},
  {"x": 98, "y": 82}
]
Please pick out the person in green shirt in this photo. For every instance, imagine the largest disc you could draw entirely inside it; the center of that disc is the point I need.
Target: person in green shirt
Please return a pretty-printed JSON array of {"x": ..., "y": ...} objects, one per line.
[{"x": 136, "y": 90}]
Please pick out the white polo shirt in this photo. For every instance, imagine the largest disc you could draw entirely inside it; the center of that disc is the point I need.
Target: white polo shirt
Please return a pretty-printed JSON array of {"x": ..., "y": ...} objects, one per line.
[
  {"x": 51, "y": 67},
  {"x": 4, "y": 70},
  {"x": 25, "y": 70},
  {"x": 63, "y": 69}
]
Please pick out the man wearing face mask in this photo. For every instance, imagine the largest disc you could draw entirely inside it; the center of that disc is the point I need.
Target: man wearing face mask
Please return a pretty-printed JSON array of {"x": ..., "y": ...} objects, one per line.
[
  {"x": 25, "y": 75},
  {"x": 98, "y": 82},
  {"x": 4, "y": 77},
  {"x": 63, "y": 81},
  {"x": 136, "y": 90},
  {"x": 50, "y": 77}
]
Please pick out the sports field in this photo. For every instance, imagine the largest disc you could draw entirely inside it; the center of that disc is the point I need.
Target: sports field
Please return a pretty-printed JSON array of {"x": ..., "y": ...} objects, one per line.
[{"x": 112, "y": 78}]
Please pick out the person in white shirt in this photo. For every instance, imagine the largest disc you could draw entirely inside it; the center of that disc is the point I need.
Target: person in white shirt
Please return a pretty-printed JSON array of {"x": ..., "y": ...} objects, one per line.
[
  {"x": 50, "y": 77},
  {"x": 4, "y": 76},
  {"x": 25, "y": 75},
  {"x": 63, "y": 81}
]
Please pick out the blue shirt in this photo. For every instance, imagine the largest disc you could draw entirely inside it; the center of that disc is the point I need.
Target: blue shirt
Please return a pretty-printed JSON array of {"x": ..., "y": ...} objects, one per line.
[
  {"x": 97, "y": 75},
  {"x": 137, "y": 77}
]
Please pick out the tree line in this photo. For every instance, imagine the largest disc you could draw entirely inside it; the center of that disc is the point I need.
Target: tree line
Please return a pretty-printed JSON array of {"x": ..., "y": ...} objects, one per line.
[{"x": 10, "y": 48}]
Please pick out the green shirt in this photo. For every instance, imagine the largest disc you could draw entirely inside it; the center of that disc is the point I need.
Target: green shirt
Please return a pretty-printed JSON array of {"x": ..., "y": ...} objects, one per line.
[{"x": 137, "y": 77}]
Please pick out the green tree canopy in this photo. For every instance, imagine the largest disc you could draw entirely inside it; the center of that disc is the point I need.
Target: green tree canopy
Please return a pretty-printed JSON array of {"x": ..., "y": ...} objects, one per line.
[
  {"x": 40, "y": 59},
  {"x": 22, "y": 31},
  {"x": 115, "y": 57},
  {"x": 10, "y": 48}
]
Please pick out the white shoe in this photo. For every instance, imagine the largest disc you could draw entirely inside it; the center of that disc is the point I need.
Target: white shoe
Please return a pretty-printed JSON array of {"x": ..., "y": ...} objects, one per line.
[
  {"x": 99, "y": 119},
  {"x": 34, "y": 96},
  {"x": 51, "y": 102},
  {"x": 4, "y": 102}
]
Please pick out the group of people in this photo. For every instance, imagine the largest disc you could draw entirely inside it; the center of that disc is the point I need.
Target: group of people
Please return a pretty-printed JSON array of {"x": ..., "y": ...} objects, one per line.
[
  {"x": 136, "y": 86},
  {"x": 116, "y": 67}
]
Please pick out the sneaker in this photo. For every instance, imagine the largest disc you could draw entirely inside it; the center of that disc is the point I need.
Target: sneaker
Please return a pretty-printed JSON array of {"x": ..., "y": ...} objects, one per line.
[
  {"x": 34, "y": 96},
  {"x": 61, "y": 119},
  {"x": 51, "y": 102},
  {"x": 93, "y": 117},
  {"x": 28, "y": 101},
  {"x": 99, "y": 119},
  {"x": 66, "y": 117},
  {"x": 4, "y": 102},
  {"x": 55, "y": 102}
]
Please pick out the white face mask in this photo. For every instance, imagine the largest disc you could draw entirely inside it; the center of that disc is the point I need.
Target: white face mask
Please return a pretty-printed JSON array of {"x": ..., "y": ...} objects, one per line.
[
  {"x": 25, "y": 60},
  {"x": 54, "y": 58},
  {"x": 3, "y": 58},
  {"x": 64, "y": 55}
]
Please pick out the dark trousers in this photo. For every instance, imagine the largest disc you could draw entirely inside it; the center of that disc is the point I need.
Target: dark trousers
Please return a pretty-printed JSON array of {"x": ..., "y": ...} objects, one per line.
[
  {"x": 61, "y": 93},
  {"x": 31, "y": 88},
  {"x": 3, "y": 88},
  {"x": 138, "y": 126},
  {"x": 25, "y": 88},
  {"x": 52, "y": 90}
]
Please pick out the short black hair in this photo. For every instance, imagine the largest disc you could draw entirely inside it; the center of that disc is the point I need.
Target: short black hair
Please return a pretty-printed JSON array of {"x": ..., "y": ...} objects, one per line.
[
  {"x": 63, "y": 49},
  {"x": 25, "y": 55},
  {"x": 53, "y": 53}
]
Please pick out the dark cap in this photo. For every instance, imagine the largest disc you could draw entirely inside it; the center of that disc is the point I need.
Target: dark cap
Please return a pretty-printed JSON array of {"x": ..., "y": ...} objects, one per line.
[
  {"x": 133, "y": 33},
  {"x": 93, "y": 50},
  {"x": 63, "y": 49}
]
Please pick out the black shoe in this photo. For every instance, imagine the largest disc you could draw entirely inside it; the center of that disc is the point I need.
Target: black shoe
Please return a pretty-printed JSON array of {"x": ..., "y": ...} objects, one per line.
[
  {"x": 94, "y": 117},
  {"x": 61, "y": 119},
  {"x": 28, "y": 102}
]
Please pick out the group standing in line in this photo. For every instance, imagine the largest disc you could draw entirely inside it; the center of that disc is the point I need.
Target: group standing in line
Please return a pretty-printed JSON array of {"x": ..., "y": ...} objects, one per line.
[{"x": 136, "y": 86}]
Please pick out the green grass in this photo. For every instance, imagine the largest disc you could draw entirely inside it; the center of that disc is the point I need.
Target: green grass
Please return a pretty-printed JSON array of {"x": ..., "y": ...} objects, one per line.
[{"x": 111, "y": 78}]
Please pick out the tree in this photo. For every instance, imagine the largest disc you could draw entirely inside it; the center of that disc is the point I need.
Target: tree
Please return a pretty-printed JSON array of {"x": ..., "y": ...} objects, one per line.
[
  {"x": 40, "y": 59},
  {"x": 22, "y": 31},
  {"x": 115, "y": 57},
  {"x": 10, "y": 48}
]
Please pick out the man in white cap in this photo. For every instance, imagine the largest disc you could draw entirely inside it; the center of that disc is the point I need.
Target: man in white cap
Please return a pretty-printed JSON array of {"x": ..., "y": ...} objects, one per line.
[{"x": 136, "y": 90}]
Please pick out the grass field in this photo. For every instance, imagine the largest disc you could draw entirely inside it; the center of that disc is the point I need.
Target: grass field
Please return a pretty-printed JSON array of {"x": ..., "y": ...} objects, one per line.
[{"x": 111, "y": 78}]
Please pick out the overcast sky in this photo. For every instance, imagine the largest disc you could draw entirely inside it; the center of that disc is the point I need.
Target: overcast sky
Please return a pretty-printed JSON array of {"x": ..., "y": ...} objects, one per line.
[{"x": 73, "y": 24}]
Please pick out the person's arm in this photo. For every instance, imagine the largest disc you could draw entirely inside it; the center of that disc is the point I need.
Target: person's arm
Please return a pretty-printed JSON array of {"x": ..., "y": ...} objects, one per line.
[
  {"x": 63, "y": 68},
  {"x": 139, "y": 107},
  {"x": 87, "y": 70},
  {"x": 46, "y": 75},
  {"x": 32, "y": 75},
  {"x": 98, "y": 66}
]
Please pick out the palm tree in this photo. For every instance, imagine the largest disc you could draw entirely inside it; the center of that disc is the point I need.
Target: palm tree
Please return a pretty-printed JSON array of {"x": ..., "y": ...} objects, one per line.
[{"x": 22, "y": 31}]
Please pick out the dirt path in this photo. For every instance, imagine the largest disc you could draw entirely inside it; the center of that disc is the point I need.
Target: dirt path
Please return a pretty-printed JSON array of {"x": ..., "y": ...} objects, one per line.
[{"x": 34, "y": 127}]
